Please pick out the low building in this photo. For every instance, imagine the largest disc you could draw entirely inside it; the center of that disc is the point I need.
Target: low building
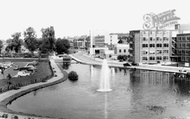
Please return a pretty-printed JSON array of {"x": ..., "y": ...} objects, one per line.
[{"x": 121, "y": 49}]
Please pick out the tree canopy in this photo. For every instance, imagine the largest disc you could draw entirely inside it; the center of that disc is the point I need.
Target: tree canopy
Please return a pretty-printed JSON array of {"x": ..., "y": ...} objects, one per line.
[
  {"x": 1, "y": 45},
  {"x": 62, "y": 46},
  {"x": 30, "y": 39},
  {"x": 48, "y": 37},
  {"x": 15, "y": 42}
]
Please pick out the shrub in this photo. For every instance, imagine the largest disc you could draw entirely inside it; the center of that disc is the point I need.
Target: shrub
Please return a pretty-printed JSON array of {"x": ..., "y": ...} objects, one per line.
[{"x": 73, "y": 76}]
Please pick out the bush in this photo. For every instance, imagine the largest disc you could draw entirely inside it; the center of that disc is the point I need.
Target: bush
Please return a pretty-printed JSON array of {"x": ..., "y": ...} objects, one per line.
[{"x": 73, "y": 76}]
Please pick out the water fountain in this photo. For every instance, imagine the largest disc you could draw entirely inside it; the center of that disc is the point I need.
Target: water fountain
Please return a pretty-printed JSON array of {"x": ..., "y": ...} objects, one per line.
[{"x": 105, "y": 78}]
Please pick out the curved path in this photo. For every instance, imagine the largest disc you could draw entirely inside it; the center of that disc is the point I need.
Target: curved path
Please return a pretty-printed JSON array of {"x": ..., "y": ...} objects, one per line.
[{"x": 7, "y": 97}]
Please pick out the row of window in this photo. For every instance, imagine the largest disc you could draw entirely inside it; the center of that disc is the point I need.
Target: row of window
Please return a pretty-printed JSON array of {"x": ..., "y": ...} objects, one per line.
[
  {"x": 183, "y": 38},
  {"x": 159, "y": 45},
  {"x": 156, "y": 58},
  {"x": 183, "y": 52},
  {"x": 153, "y": 32},
  {"x": 155, "y": 52},
  {"x": 121, "y": 50},
  {"x": 183, "y": 45},
  {"x": 185, "y": 59},
  {"x": 155, "y": 39}
]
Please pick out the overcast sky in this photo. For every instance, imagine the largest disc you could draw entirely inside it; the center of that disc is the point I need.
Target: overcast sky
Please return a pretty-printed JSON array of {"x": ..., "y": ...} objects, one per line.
[{"x": 77, "y": 17}]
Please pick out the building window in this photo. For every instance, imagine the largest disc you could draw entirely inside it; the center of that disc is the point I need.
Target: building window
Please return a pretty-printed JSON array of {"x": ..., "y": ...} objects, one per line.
[
  {"x": 120, "y": 51},
  {"x": 165, "y": 51},
  {"x": 158, "y": 51},
  {"x": 187, "y": 52},
  {"x": 183, "y": 38},
  {"x": 165, "y": 58},
  {"x": 159, "y": 58},
  {"x": 183, "y": 52},
  {"x": 151, "y": 58},
  {"x": 183, "y": 45},
  {"x": 144, "y": 52},
  {"x": 178, "y": 45},
  {"x": 179, "y": 38},
  {"x": 188, "y": 38},
  {"x": 188, "y": 45},
  {"x": 166, "y": 45},
  {"x": 124, "y": 50},
  {"x": 144, "y": 58},
  {"x": 165, "y": 39},
  {"x": 151, "y": 39},
  {"x": 157, "y": 38},
  {"x": 151, "y": 45},
  {"x": 159, "y": 45},
  {"x": 144, "y": 39},
  {"x": 144, "y": 45}
]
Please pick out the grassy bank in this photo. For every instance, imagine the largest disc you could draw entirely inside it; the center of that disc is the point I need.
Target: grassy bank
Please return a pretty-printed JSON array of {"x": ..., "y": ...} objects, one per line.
[
  {"x": 43, "y": 73},
  {"x": 5, "y": 102}
]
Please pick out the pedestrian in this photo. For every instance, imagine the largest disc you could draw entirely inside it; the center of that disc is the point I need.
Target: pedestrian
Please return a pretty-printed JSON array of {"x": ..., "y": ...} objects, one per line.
[{"x": 9, "y": 76}]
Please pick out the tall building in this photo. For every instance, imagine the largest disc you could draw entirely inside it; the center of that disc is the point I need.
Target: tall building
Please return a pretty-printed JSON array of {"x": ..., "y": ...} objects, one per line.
[
  {"x": 182, "y": 49},
  {"x": 153, "y": 46}
]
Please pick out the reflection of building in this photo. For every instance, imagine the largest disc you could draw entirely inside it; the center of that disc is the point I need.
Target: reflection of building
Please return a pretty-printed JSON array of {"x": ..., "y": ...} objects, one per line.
[{"x": 154, "y": 76}]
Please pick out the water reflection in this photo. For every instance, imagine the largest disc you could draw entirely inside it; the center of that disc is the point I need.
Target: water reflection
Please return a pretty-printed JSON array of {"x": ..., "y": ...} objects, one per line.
[
  {"x": 66, "y": 65},
  {"x": 183, "y": 87},
  {"x": 137, "y": 94},
  {"x": 106, "y": 106}
]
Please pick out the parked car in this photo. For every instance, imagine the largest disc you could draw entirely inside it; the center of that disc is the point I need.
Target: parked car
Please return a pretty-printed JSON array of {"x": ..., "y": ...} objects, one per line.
[
  {"x": 23, "y": 73},
  {"x": 126, "y": 64},
  {"x": 135, "y": 64},
  {"x": 114, "y": 57}
]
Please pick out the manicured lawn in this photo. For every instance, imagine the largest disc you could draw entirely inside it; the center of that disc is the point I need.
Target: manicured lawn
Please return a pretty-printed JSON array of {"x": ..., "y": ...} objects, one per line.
[
  {"x": 43, "y": 73},
  {"x": 11, "y": 70}
]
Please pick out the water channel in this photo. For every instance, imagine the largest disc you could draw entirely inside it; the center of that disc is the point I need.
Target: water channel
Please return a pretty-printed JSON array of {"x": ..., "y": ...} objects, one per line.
[{"x": 136, "y": 94}]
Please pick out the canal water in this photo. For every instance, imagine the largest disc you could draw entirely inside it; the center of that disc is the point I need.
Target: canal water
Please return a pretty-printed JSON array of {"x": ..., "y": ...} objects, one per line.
[{"x": 136, "y": 94}]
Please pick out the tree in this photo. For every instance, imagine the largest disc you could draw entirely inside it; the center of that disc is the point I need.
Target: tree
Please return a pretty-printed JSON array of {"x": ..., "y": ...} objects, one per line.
[
  {"x": 15, "y": 43},
  {"x": 62, "y": 45},
  {"x": 1, "y": 45},
  {"x": 48, "y": 37},
  {"x": 120, "y": 41},
  {"x": 30, "y": 39}
]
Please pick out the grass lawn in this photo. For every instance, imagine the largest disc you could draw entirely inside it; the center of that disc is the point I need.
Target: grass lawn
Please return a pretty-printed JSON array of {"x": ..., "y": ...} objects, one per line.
[
  {"x": 43, "y": 73},
  {"x": 11, "y": 70}
]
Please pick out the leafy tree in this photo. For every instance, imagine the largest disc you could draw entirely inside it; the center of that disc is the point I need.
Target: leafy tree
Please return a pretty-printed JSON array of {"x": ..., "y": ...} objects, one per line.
[
  {"x": 62, "y": 45},
  {"x": 1, "y": 45},
  {"x": 120, "y": 41},
  {"x": 15, "y": 43},
  {"x": 48, "y": 37},
  {"x": 30, "y": 39}
]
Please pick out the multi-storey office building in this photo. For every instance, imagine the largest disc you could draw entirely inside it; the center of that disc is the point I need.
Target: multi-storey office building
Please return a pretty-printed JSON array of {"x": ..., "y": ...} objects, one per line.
[
  {"x": 182, "y": 49},
  {"x": 153, "y": 46}
]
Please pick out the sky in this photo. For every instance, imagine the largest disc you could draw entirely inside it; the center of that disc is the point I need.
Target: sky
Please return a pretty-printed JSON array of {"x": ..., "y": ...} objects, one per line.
[{"x": 78, "y": 17}]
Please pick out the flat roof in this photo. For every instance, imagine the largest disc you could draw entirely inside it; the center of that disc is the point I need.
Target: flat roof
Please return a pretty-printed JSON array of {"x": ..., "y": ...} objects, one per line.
[{"x": 183, "y": 34}]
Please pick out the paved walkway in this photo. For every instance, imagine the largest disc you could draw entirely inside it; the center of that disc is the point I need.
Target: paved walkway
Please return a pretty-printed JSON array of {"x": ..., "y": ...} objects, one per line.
[{"x": 5, "y": 95}]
